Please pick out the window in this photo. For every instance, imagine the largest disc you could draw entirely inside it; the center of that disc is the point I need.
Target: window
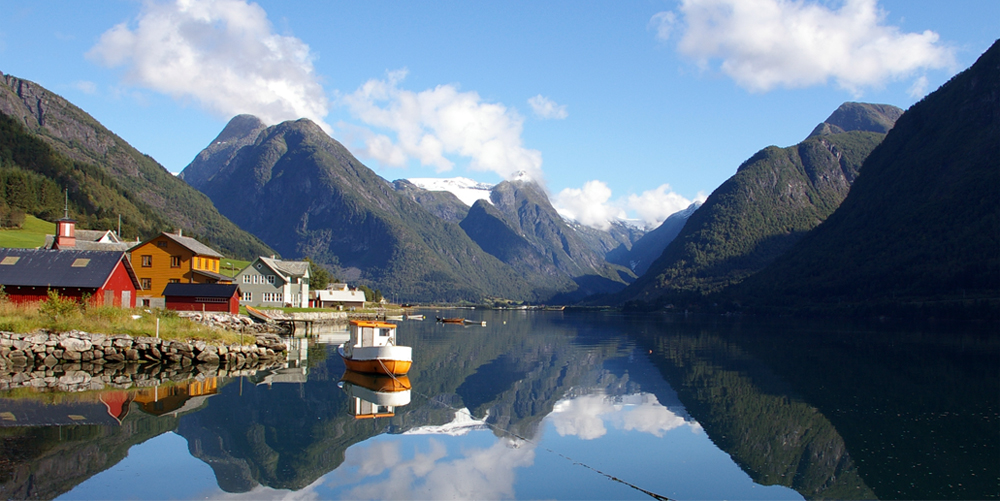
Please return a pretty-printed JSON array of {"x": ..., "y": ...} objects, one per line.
[
  {"x": 175, "y": 261},
  {"x": 10, "y": 260},
  {"x": 246, "y": 279},
  {"x": 270, "y": 279},
  {"x": 162, "y": 244},
  {"x": 272, "y": 297},
  {"x": 147, "y": 261},
  {"x": 80, "y": 263},
  {"x": 147, "y": 283},
  {"x": 174, "y": 281},
  {"x": 248, "y": 296}
]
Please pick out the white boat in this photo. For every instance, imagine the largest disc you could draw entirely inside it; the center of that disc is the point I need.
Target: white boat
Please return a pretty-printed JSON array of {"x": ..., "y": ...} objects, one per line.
[{"x": 372, "y": 349}]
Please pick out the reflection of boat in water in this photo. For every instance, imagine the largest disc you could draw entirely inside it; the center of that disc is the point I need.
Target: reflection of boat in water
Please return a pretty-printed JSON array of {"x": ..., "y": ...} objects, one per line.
[
  {"x": 375, "y": 395},
  {"x": 372, "y": 349},
  {"x": 394, "y": 317}
]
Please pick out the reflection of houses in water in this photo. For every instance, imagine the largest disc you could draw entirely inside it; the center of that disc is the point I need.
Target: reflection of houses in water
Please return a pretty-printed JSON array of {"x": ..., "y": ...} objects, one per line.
[
  {"x": 296, "y": 367},
  {"x": 331, "y": 333},
  {"x": 107, "y": 408},
  {"x": 375, "y": 395},
  {"x": 178, "y": 398}
]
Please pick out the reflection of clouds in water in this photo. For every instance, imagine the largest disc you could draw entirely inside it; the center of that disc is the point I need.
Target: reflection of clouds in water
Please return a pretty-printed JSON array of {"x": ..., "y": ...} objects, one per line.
[
  {"x": 585, "y": 416},
  {"x": 479, "y": 473},
  {"x": 263, "y": 493}
]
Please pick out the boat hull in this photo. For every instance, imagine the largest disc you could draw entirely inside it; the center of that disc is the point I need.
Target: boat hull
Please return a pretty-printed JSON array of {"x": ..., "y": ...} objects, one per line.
[{"x": 395, "y": 360}]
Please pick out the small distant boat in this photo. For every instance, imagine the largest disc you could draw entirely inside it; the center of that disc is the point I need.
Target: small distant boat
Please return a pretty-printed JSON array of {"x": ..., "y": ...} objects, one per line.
[
  {"x": 372, "y": 349},
  {"x": 460, "y": 321},
  {"x": 394, "y": 317},
  {"x": 414, "y": 317}
]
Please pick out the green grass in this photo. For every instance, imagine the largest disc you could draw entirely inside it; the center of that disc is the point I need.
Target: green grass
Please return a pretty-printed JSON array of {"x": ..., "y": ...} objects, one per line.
[
  {"x": 232, "y": 267},
  {"x": 63, "y": 315},
  {"x": 31, "y": 235}
]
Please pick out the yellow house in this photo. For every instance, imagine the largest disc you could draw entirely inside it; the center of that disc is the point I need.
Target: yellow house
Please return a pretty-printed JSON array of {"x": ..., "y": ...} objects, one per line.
[{"x": 173, "y": 258}]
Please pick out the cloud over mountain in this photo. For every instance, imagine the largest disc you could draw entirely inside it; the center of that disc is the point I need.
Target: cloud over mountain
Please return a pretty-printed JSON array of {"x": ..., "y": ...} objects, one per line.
[
  {"x": 436, "y": 123},
  {"x": 765, "y": 44},
  {"x": 176, "y": 47},
  {"x": 592, "y": 205}
]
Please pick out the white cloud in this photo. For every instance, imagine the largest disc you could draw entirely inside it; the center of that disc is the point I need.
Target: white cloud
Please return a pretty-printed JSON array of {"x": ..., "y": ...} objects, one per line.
[
  {"x": 586, "y": 416},
  {"x": 436, "y": 123},
  {"x": 588, "y": 205},
  {"x": 481, "y": 473},
  {"x": 85, "y": 86},
  {"x": 919, "y": 88},
  {"x": 653, "y": 206},
  {"x": 592, "y": 205},
  {"x": 221, "y": 53},
  {"x": 547, "y": 109},
  {"x": 764, "y": 44}
]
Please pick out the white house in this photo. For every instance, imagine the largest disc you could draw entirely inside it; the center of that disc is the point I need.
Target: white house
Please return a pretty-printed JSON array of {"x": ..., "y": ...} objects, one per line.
[
  {"x": 273, "y": 282},
  {"x": 337, "y": 295}
]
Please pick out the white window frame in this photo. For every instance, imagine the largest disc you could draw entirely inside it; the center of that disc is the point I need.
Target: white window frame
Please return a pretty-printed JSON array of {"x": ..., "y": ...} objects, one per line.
[{"x": 247, "y": 296}]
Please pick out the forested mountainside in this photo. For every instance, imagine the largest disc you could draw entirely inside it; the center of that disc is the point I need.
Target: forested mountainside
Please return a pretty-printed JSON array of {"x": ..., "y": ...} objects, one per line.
[
  {"x": 49, "y": 141},
  {"x": 304, "y": 194},
  {"x": 648, "y": 248},
  {"x": 922, "y": 222},
  {"x": 774, "y": 198}
]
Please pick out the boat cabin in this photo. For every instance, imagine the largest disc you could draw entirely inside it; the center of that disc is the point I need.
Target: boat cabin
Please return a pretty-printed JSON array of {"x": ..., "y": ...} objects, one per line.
[{"x": 366, "y": 333}]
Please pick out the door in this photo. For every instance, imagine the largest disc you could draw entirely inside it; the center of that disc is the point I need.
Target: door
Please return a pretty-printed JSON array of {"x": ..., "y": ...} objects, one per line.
[{"x": 126, "y": 299}]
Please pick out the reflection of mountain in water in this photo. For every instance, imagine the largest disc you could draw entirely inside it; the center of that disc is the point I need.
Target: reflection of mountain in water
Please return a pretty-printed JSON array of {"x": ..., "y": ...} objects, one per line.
[
  {"x": 508, "y": 377},
  {"x": 841, "y": 413},
  {"x": 42, "y": 462}
]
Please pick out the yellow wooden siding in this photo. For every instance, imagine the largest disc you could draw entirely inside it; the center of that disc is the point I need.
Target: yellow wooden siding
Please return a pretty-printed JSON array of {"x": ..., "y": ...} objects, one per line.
[{"x": 160, "y": 272}]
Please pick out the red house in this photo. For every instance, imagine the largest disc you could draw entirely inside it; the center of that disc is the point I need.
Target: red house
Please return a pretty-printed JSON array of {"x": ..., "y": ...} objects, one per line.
[
  {"x": 203, "y": 297},
  {"x": 105, "y": 277}
]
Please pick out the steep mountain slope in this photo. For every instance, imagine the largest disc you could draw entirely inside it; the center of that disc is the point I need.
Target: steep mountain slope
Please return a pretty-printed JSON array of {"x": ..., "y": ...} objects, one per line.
[
  {"x": 442, "y": 204},
  {"x": 922, "y": 222},
  {"x": 303, "y": 193},
  {"x": 774, "y": 198},
  {"x": 241, "y": 131},
  {"x": 523, "y": 206},
  {"x": 487, "y": 226},
  {"x": 645, "y": 250},
  {"x": 33, "y": 177},
  {"x": 74, "y": 134}
]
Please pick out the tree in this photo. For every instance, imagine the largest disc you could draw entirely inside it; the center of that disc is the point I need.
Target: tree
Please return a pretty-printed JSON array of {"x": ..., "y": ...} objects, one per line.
[{"x": 319, "y": 278}]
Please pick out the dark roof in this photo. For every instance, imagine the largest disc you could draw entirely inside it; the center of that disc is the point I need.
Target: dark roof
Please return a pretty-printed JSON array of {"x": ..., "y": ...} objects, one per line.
[
  {"x": 191, "y": 244},
  {"x": 201, "y": 290},
  {"x": 55, "y": 268}
]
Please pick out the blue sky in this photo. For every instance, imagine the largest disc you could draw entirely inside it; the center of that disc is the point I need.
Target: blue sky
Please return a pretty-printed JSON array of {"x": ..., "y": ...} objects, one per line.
[{"x": 619, "y": 108}]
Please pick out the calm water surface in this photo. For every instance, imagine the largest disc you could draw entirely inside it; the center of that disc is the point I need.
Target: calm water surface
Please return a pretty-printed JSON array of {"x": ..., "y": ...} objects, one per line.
[{"x": 554, "y": 405}]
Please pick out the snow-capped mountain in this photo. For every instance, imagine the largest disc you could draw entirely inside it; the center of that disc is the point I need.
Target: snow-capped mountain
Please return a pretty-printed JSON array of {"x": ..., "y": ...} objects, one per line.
[{"x": 467, "y": 190}]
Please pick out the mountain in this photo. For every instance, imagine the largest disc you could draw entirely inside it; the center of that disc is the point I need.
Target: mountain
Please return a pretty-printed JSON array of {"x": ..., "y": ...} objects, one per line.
[
  {"x": 645, "y": 250},
  {"x": 443, "y": 204},
  {"x": 524, "y": 208},
  {"x": 922, "y": 222},
  {"x": 304, "y": 194},
  {"x": 106, "y": 175},
  {"x": 859, "y": 116},
  {"x": 241, "y": 131},
  {"x": 774, "y": 198}
]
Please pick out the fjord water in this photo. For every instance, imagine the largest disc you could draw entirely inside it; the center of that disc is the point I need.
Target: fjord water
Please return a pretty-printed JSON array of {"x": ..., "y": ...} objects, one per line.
[{"x": 566, "y": 405}]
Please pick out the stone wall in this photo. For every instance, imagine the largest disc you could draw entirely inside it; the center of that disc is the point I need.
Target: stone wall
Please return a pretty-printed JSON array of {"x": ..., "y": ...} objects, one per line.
[{"x": 45, "y": 358}]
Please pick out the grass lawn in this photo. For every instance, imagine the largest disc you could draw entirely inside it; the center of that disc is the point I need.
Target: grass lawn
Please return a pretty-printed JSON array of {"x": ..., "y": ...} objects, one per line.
[
  {"x": 231, "y": 267},
  {"x": 31, "y": 235}
]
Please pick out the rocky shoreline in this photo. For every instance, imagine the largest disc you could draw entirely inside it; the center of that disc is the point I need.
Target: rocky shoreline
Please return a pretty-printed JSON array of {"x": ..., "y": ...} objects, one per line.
[{"x": 43, "y": 359}]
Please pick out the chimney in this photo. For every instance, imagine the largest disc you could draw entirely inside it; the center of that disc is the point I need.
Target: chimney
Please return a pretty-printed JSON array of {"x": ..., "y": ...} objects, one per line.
[{"x": 180, "y": 232}]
